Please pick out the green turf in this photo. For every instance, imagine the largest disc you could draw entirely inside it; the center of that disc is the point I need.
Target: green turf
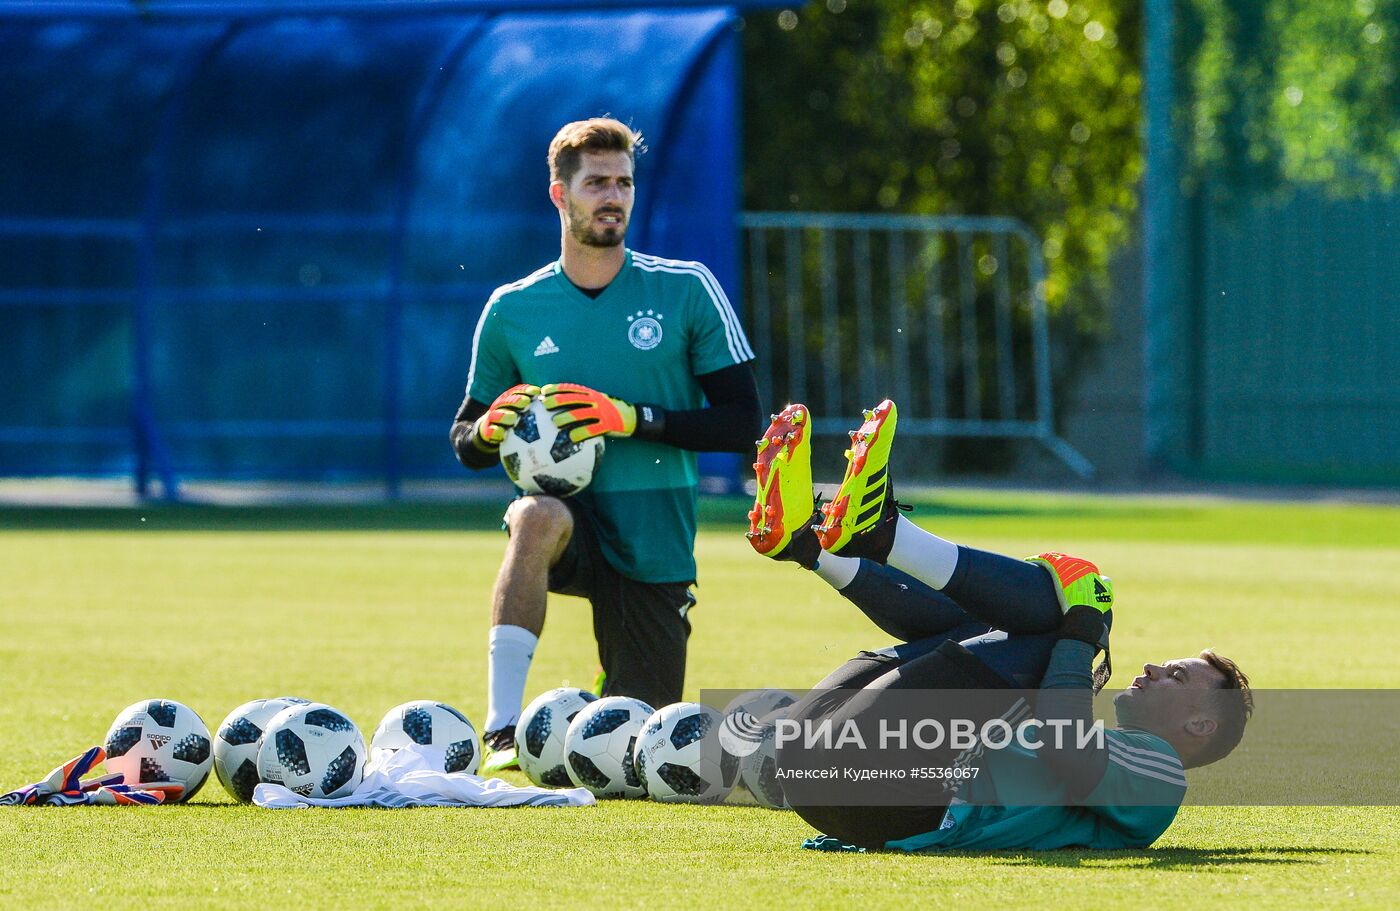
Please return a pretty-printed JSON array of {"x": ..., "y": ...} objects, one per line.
[{"x": 366, "y": 607}]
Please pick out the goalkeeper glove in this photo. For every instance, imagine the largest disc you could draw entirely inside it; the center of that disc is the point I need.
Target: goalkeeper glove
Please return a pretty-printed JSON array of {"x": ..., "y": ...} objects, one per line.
[
  {"x": 1077, "y": 581},
  {"x": 1086, "y": 597},
  {"x": 64, "y": 787},
  {"x": 504, "y": 413},
  {"x": 587, "y": 413}
]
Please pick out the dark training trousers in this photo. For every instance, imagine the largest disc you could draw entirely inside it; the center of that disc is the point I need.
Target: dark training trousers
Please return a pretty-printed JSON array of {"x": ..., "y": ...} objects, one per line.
[
  {"x": 992, "y": 626},
  {"x": 641, "y": 627}
]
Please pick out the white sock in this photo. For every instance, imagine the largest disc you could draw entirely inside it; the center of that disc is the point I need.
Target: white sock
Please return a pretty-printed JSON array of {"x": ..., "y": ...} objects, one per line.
[
  {"x": 922, "y": 554},
  {"x": 837, "y": 571},
  {"x": 508, "y": 665}
]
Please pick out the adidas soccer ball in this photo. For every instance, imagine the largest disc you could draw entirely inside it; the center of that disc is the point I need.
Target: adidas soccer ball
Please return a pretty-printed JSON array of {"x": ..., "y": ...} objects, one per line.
[
  {"x": 431, "y": 724},
  {"x": 758, "y": 771},
  {"x": 539, "y": 458},
  {"x": 742, "y": 731},
  {"x": 313, "y": 750},
  {"x": 759, "y": 702},
  {"x": 236, "y": 744},
  {"x": 539, "y": 734},
  {"x": 160, "y": 740},
  {"x": 598, "y": 746},
  {"x": 679, "y": 757}
]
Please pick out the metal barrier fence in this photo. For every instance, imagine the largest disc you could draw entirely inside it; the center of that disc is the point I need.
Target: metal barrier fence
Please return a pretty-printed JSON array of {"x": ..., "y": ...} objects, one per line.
[
  {"x": 158, "y": 371},
  {"x": 944, "y": 314},
  {"x": 172, "y": 396}
]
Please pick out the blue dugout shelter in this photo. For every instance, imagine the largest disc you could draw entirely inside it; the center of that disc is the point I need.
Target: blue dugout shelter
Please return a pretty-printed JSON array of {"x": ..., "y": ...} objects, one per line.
[{"x": 251, "y": 240}]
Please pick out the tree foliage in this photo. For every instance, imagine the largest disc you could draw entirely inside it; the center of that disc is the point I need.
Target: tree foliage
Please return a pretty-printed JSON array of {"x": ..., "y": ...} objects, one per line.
[
  {"x": 1291, "y": 93},
  {"x": 1007, "y": 107}
]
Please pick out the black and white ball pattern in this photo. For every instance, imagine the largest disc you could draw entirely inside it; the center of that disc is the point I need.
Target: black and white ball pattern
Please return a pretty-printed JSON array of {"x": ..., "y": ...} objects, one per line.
[
  {"x": 680, "y": 758},
  {"x": 742, "y": 732},
  {"x": 160, "y": 740},
  {"x": 758, "y": 771},
  {"x": 539, "y": 734},
  {"x": 431, "y": 724},
  {"x": 599, "y": 746},
  {"x": 236, "y": 744},
  {"x": 313, "y": 750},
  {"x": 539, "y": 458}
]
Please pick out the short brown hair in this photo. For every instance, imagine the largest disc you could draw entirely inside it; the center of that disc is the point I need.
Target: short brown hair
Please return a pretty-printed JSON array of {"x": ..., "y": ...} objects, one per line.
[
  {"x": 1233, "y": 704},
  {"x": 598, "y": 134}
]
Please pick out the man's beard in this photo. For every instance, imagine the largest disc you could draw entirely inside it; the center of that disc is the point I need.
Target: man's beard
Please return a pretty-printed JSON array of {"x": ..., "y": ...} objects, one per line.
[{"x": 582, "y": 230}]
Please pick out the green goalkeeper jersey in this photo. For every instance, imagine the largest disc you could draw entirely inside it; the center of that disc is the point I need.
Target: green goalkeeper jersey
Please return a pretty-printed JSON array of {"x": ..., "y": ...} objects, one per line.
[
  {"x": 645, "y": 338},
  {"x": 1137, "y": 799}
]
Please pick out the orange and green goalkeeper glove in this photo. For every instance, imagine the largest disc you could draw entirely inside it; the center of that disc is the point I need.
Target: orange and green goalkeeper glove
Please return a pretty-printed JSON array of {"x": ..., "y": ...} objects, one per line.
[
  {"x": 1077, "y": 581},
  {"x": 586, "y": 413},
  {"x": 503, "y": 414},
  {"x": 1086, "y": 597}
]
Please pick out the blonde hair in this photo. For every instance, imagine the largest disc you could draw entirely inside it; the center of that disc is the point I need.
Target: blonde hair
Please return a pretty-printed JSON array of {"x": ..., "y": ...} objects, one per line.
[{"x": 597, "y": 134}]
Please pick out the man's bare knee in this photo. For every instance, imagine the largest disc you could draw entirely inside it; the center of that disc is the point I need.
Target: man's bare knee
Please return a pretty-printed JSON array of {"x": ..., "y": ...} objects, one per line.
[{"x": 540, "y": 523}]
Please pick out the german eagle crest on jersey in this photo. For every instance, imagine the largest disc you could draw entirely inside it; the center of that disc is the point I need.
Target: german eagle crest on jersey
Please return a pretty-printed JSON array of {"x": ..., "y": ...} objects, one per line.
[{"x": 644, "y": 329}]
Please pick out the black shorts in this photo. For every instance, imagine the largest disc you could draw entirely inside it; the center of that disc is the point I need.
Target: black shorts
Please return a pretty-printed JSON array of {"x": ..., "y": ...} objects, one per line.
[{"x": 641, "y": 627}]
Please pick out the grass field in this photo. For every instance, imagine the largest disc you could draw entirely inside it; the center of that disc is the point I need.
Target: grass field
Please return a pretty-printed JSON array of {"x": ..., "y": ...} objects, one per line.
[{"x": 367, "y": 607}]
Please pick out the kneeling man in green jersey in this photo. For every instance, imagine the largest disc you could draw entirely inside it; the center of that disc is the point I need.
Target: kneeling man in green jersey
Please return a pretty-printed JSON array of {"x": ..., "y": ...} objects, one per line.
[{"x": 646, "y": 350}]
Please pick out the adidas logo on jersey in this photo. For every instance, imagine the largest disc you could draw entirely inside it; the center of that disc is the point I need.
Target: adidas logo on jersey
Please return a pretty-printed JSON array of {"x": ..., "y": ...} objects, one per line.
[{"x": 546, "y": 347}]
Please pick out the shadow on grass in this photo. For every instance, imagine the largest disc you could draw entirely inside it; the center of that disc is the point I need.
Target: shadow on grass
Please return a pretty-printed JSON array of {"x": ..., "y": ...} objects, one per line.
[{"x": 1168, "y": 858}]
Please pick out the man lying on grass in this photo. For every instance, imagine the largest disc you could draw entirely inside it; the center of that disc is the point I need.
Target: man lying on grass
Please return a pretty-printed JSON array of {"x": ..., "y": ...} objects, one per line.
[{"x": 968, "y": 619}]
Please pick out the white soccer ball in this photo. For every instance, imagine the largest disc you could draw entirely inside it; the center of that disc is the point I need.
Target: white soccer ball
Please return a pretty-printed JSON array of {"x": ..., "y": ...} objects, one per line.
[
  {"x": 679, "y": 758},
  {"x": 160, "y": 740},
  {"x": 313, "y": 750},
  {"x": 431, "y": 724},
  {"x": 540, "y": 458},
  {"x": 236, "y": 744},
  {"x": 539, "y": 734},
  {"x": 598, "y": 746},
  {"x": 742, "y": 732},
  {"x": 759, "y": 702},
  {"x": 758, "y": 771}
]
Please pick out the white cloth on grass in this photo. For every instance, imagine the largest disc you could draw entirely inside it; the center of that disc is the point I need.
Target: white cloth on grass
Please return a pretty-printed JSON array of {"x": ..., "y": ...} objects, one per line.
[{"x": 409, "y": 778}]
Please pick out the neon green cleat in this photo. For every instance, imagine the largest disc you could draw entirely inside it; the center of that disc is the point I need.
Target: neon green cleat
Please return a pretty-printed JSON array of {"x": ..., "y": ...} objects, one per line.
[
  {"x": 498, "y": 748},
  {"x": 782, "y": 507},
  {"x": 859, "y": 522},
  {"x": 600, "y": 680}
]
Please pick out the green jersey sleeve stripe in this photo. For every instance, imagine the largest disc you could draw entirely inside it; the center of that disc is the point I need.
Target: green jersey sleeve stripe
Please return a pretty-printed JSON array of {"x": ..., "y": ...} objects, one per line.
[
  {"x": 1162, "y": 763},
  {"x": 726, "y": 312},
  {"x": 1166, "y": 760},
  {"x": 527, "y": 281},
  {"x": 734, "y": 334},
  {"x": 1177, "y": 781},
  {"x": 476, "y": 341},
  {"x": 1170, "y": 768},
  {"x": 737, "y": 345}
]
